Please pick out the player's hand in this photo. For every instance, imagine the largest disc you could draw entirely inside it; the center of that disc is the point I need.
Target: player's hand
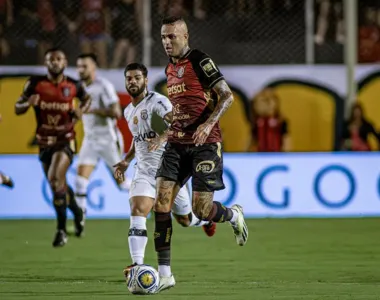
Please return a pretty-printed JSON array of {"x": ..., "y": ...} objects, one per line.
[
  {"x": 155, "y": 143},
  {"x": 120, "y": 169},
  {"x": 202, "y": 133},
  {"x": 34, "y": 99}
]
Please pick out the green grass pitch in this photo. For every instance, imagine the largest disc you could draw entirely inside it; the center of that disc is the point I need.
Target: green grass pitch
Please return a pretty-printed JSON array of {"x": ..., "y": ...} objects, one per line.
[{"x": 308, "y": 259}]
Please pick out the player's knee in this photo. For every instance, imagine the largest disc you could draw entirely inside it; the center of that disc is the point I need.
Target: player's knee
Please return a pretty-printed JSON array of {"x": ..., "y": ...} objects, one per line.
[
  {"x": 54, "y": 184},
  {"x": 202, "y": 209},
  {"x": 139, "y": 210},
  {"x": 182, "y": 220},
  {"x": 163, "y": 202}
]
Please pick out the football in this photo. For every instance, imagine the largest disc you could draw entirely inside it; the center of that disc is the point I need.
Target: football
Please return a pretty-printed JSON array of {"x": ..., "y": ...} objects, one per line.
[{"x": 143, "y": 279}]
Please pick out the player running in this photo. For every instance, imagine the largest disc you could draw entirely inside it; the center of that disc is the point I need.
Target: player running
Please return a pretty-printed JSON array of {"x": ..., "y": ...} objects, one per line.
[
  {"x": 200, "y": 96},
  {"x": 4, "y": 179},
  {"x": 52, "y": 98},
  {"x": 143, "y": 188},
  {"x": 102, "y": 139}
]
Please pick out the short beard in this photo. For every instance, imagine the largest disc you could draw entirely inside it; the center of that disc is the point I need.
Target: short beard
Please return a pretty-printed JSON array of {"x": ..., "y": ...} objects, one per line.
[
  {"x": 138, "y": 92},
  {"x": 56, "y": 74}
]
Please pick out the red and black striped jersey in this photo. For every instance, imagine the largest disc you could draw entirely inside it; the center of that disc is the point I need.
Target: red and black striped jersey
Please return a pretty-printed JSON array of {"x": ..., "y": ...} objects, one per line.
[
  {"x": 189, "y": 85},
  {"x": 54, "y": 112}
]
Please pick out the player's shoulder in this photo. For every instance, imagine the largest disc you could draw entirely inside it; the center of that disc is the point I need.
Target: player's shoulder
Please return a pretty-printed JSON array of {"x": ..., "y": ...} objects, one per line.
[
  {"x": 37, "y": 78},
  {"x": 196, "y": 55},
  {"x": 155, "y": 96},
  {"x": 103, "y": 81}
]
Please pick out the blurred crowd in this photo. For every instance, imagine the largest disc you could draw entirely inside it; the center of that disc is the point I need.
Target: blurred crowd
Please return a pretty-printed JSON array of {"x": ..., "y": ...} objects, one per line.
[
  {"x": 113, "y": 29},
  {"x": 330, "y": 27}
]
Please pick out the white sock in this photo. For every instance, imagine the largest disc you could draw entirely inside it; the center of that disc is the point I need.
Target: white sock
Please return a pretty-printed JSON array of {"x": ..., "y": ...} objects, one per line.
[
  {"x": 81, "y": 184},
  {"x": 235, "y": 215},
  {"x": 137, "y": 239},
  {"x": 195, "y": 222},
  {"x": 164, "y": 271}
]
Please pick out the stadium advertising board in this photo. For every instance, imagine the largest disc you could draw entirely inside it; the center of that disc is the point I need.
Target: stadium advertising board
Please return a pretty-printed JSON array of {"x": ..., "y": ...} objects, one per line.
[
  {"x": 316, "y": 91},
  {"x": 273, "y": 185}
]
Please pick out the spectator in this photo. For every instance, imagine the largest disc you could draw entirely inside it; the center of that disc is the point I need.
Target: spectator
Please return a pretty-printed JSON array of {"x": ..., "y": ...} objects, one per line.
[
  {"x": 369, "y": 36},
  {"x": 48, "y": 28},
  {"x": 269, "y": 128},
  {"x": 94, "y": 21},
  {"x": 323, "y": 20},
  {"x": 126, "y": 26},
  {"x": 356, "y": 131},
  {"x": 6, "y": 20}
]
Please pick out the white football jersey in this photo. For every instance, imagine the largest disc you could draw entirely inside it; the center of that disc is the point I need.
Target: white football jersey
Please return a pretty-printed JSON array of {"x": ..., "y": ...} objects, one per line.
[
  {"x": 139, "y": 120},
  {"x": 103, "y": 94}
]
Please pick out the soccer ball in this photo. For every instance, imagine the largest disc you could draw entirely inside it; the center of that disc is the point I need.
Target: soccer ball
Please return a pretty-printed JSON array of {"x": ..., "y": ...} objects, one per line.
[{"x": 143, "y": 279}]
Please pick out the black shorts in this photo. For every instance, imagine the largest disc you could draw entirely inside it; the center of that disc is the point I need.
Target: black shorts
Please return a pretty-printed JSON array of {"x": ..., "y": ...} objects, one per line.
[
  {"x": 203, "y": 163},
  {"x": 46, "y": 153}
]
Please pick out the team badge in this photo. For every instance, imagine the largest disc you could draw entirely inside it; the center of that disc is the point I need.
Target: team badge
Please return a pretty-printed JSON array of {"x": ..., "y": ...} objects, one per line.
[
  {"x": 180, "y": 72},
  {"x": 66, "y": 91},
  {"x": 144, "y": 114},
  {"x": 135, "y": 120}
]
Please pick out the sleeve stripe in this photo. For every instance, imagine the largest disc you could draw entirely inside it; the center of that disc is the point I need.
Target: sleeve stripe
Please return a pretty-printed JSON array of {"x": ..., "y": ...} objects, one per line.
[{"x": 212, "y": 84}]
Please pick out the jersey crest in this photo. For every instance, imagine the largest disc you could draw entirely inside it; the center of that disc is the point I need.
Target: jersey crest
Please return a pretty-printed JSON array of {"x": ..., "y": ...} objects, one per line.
[
  {"x": 144, "y": 114},
  {"x": 181, "y": 71}
]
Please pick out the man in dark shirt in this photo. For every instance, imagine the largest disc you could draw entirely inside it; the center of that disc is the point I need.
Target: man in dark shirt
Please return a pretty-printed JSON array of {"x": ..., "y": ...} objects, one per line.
[
  {"x": 200, "y": 96},
  {"x": 52, "y": 98}
]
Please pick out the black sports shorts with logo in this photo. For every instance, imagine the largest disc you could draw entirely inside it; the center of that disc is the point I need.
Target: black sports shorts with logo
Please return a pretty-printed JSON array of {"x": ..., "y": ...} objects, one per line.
[
  {"x": 204, "y": 164},
  {"x": 46, "y": 153}
]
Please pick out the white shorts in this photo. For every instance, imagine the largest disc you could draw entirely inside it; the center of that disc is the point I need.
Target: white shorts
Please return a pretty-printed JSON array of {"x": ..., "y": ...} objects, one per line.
[
  {"x": 94, "y": 150},
  {"x": 142, "y": 187}
]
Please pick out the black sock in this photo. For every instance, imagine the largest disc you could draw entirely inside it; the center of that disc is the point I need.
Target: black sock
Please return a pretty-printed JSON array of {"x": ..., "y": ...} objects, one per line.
[
  {"x": 72, "y": 204},
  {"x": 60, "y": 209},
  {"x": 162, "y": 237},
  {"x": 219, "y": 213}
]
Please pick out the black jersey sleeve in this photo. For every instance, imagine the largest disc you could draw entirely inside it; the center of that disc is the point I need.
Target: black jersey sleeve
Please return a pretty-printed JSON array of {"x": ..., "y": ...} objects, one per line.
[
  {"x": 30, "y": 87},
  {"x": 81, "y": 93},
  {"x": 207, "y": 71}
]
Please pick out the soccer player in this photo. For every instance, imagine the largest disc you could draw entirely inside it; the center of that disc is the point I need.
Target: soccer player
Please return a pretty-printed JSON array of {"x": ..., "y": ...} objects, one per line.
[
  {"x": 102, "y": 139},
  {"x": 52, "y": 98},
  {"x": 147, "y": 147},
  {"x": 200, "y": 96},
  {"x": 4, "y": 179}
]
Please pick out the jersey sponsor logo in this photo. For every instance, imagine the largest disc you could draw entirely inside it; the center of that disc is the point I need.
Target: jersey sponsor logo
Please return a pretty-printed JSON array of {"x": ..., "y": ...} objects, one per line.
[
  {"x": 181, "y": 72},
  {"x": 178, "y": 115},
  {"x": 206, "y": 166},
  {"x": 55, "y": 106},
  {"x": 177, "y": 109},
  {"x": 181, "y": 117},
  {"x": 141, "y": 137},
  {"x": 144, "y": 114},
  {"x": 177, "y": 89},
  {"x": 180, "y": 134},
  {"x": 135, "y": 120},
  {"x": 208, "y": 67},
  {"x": 53, "y": 120}
]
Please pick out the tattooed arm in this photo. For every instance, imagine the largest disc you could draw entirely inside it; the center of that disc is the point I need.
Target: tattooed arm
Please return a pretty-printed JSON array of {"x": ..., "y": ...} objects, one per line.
[{"x": 225, "y": 101}]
